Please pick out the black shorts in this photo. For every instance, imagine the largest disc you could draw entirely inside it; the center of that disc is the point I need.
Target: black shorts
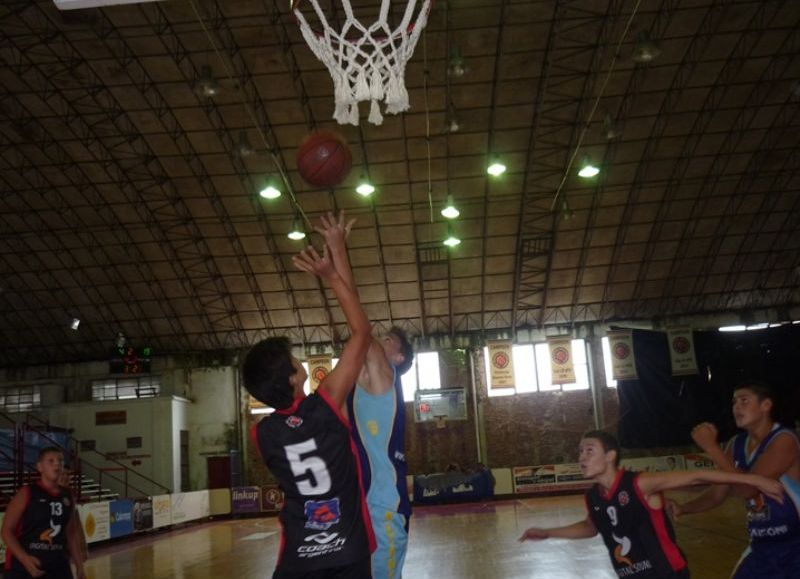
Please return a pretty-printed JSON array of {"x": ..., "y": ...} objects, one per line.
[
  {"x": 60, "y": 574},
  {"x": 358, "y": 570}
]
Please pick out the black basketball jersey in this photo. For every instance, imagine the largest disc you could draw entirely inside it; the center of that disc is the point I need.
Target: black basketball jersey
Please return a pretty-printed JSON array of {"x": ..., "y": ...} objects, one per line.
[
  {"x": 640, "y": 539},
  {"x": 324, "y": 518},
  {"x": 42, "y": 529}
]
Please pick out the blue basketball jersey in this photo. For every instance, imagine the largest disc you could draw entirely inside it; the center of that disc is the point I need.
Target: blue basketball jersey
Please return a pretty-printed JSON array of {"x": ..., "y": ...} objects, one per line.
[
  {"x": 378, "y": 424},
  {"x": 767, "y": 519}
]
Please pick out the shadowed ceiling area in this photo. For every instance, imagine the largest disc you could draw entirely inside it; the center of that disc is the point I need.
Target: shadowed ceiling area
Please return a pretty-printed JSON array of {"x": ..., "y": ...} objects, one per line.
[{"x": 130, "y": 196}]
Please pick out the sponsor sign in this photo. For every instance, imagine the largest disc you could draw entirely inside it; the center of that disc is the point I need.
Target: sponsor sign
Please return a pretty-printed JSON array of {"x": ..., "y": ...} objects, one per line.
[
  {"x": 142, "y": 514},
  {"x": 271, "y": 499},
  {"x": 95, "y": 519},
  {"x": 501, "y": 364},
  {"x": 681, "y": 351},
  {"x": 655, "y": 463},
  {"x": 623, "y": 363},
  {"x": 109, "y": 417},
  {"x": 321, "y": 543},
  {"x": 547, "y": 478},
  {"x": 698, "y": 461},
  {"x": 162, "y": 511},
  {"x": 120, "y": 516},
  {"x": 190, "y": 506},
  {"x": 562, "y": 368},
  {"x": 246, "y": 499},
  {"x": 318, "y": 368}
]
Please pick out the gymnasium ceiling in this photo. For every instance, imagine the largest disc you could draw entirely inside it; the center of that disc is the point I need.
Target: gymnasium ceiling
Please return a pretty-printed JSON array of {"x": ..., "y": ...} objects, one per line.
[{"x": 128, "y": 203}]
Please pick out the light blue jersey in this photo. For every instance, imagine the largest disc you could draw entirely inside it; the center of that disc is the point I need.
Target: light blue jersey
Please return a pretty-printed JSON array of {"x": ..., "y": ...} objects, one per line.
[{"x": 378, "y": 423}]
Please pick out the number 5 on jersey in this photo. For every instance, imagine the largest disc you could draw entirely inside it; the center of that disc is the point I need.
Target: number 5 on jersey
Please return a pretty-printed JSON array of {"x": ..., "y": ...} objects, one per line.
[{"x": 311, "y": 472}]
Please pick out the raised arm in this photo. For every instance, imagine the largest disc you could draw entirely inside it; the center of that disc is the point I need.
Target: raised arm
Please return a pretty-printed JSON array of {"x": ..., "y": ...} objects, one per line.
[
  {"x": 584, "y": 529},
  {"x": 341, "y": 380},
  {"x": 651, "y": 482}
]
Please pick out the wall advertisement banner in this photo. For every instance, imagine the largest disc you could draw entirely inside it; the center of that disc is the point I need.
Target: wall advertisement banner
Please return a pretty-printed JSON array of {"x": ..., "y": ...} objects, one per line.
[
  {"x": 501, "y": 364},
  {"x": 190, "y": 506},
  {"x": 681, "y": 351},
  {"x": 142, "y": 514},
  {"x": 246, "y": 499},
  {"x": 95, "y": 518},
  {"x": 319, "y": 367},
  {"x": 562, "y": 368},
  {"x": 162, "y": 511},
  {"x": 120, "y": 516},
  {"x": 623, "y": 362},
  {"x": 271, "y": 499},
  {"x": 547, "y": 478}
]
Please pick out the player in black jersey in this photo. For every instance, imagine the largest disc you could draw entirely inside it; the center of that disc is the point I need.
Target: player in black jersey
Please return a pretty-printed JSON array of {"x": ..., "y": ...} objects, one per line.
[
  {"x": 306, "y": 442},
  {"x": 627, "y": 509},
  {"x": 38, "y": 524}
]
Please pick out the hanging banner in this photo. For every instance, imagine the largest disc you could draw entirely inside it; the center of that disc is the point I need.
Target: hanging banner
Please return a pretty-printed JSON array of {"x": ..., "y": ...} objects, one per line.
[
  {"x": 681, "y": 351},
  {"x": 623, "y": 363},
  {"x": 562, "y": 369},
  {"x": 318, "y": 368},
  {"x": 501, "y": 364}
]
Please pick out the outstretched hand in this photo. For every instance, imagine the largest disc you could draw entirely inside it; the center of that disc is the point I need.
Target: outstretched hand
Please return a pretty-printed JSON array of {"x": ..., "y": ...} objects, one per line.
[
  {"x": 312, "y": 262},
  {"x": 334, "y": 230},
  {"x": 705, "y": 435},
  {"x": 534, "y": 534}
]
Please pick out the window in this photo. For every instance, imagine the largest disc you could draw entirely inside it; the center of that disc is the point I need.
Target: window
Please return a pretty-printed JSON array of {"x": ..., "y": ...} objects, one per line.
[
  {"x": 20, "y": 398},
  {"x": 532, "y": 369},
  {"x": 610, "y": 382},
  {"x": 425, "y": 365},
  {"x": 126, "y": 388}
]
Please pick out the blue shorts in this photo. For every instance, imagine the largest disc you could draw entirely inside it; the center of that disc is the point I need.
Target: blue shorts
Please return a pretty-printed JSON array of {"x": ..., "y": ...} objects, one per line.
[
  {"x": 779, "y": 560},
  {"x": 392, "y": 540}
]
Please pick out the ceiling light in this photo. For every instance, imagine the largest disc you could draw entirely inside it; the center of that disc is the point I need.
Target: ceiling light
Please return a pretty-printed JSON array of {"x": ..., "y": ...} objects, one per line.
[
  {"x": 365, "y": 188},
  {"x": 456, "y": 65},
  {"x": 449, "y": 210},
  {"x": 270, "y": 191},
  {"x": 75, "y": 323},
  {"x": 296, "y": 233},
  {"x": 587, "y": 170},
  {"x": 566, "y": 212},
  {"x": 451, "y": 240},
  {"x": 495, "y": 168},
  {"x": 206, "y": 84},
  {"x": 646, "y": 50},
  {"x": 451, "y": 121},
  {"x": 610, "y": 128},
  {"x": 243, "y": 147}
]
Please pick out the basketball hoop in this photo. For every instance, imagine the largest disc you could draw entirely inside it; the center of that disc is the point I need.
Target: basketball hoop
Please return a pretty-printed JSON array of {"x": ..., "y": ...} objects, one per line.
[{"x": 366, "y": 64}]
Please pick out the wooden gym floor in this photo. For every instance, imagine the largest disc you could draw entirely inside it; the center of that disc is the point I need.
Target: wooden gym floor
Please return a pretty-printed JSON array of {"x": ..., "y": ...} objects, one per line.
[{"x": 447, "y": 542}]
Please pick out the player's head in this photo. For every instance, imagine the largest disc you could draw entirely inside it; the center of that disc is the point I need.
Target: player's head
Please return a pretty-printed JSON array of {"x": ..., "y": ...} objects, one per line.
[
  {"x": 398, "y": 349},
  {"x": 597, "y": 451},
  {"x": 752, "y": 400},
  {"x": 50, "y": 462},
  {"x": 271, "y": 374}
]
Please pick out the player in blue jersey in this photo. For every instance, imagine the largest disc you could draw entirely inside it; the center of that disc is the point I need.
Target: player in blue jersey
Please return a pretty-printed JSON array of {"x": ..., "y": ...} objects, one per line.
[
  {"x": 377, "y": 412},
  {"x": 627, "y": 509},
  {"x": 769, "y": 449},
  {"x": 306, "y": 442},
  {"x": 377, "y": 415}
]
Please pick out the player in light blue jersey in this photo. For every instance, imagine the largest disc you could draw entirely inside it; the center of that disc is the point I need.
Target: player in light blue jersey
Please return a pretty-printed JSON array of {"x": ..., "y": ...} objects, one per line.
[
  {"x": 769, "y": 449},
  {"x": 377, "y": 418}
]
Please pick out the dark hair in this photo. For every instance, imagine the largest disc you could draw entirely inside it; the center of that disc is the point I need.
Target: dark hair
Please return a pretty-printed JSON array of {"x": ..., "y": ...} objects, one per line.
[
  {"x": 607, "y": 440},
  {"x": 266, "y": 372},
  {"x": 47, "y": 450},
  {"x": 405, "y": 350},
  {"x": 763, "y": 391}
]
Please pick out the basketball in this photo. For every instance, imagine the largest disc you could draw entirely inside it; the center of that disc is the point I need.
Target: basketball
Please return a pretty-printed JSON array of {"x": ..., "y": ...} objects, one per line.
[{"x": 324, "y": 159}]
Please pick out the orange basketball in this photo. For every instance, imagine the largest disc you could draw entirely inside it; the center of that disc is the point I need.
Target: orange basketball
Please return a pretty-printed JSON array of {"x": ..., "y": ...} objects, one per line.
[{"x": 324, "y": 159}]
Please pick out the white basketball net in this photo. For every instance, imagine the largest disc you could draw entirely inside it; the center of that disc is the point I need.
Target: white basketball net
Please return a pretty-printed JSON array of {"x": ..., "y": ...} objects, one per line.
[{"x": 371, "y": 64}]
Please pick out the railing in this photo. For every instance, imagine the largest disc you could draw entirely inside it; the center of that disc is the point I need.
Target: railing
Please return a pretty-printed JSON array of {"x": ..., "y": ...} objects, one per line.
[
  {"x": 76, "y": 453},
  {"x": 72, "y": 452}
]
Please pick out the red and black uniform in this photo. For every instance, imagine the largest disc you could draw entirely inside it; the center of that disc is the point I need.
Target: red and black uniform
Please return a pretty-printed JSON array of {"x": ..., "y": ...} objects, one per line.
[
  {"x": 324, "y": 518},
  {"x": 42, "y": 533},
  {"x": 640, "y": 539}
]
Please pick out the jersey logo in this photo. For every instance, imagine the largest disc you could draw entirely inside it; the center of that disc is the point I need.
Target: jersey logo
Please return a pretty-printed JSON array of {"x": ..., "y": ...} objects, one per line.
[
  {"x": 622, "y": 549},
  {"x": 624, "y": 499},
  {"x": 372, "y": 426},
  {"x": 322, "y": 538},
  {"x": 322, "y": 515},
  {"x": 757, "y": 509},
  {"x": 294, "y": 421},
  {"x": 49, "y": 534}
]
